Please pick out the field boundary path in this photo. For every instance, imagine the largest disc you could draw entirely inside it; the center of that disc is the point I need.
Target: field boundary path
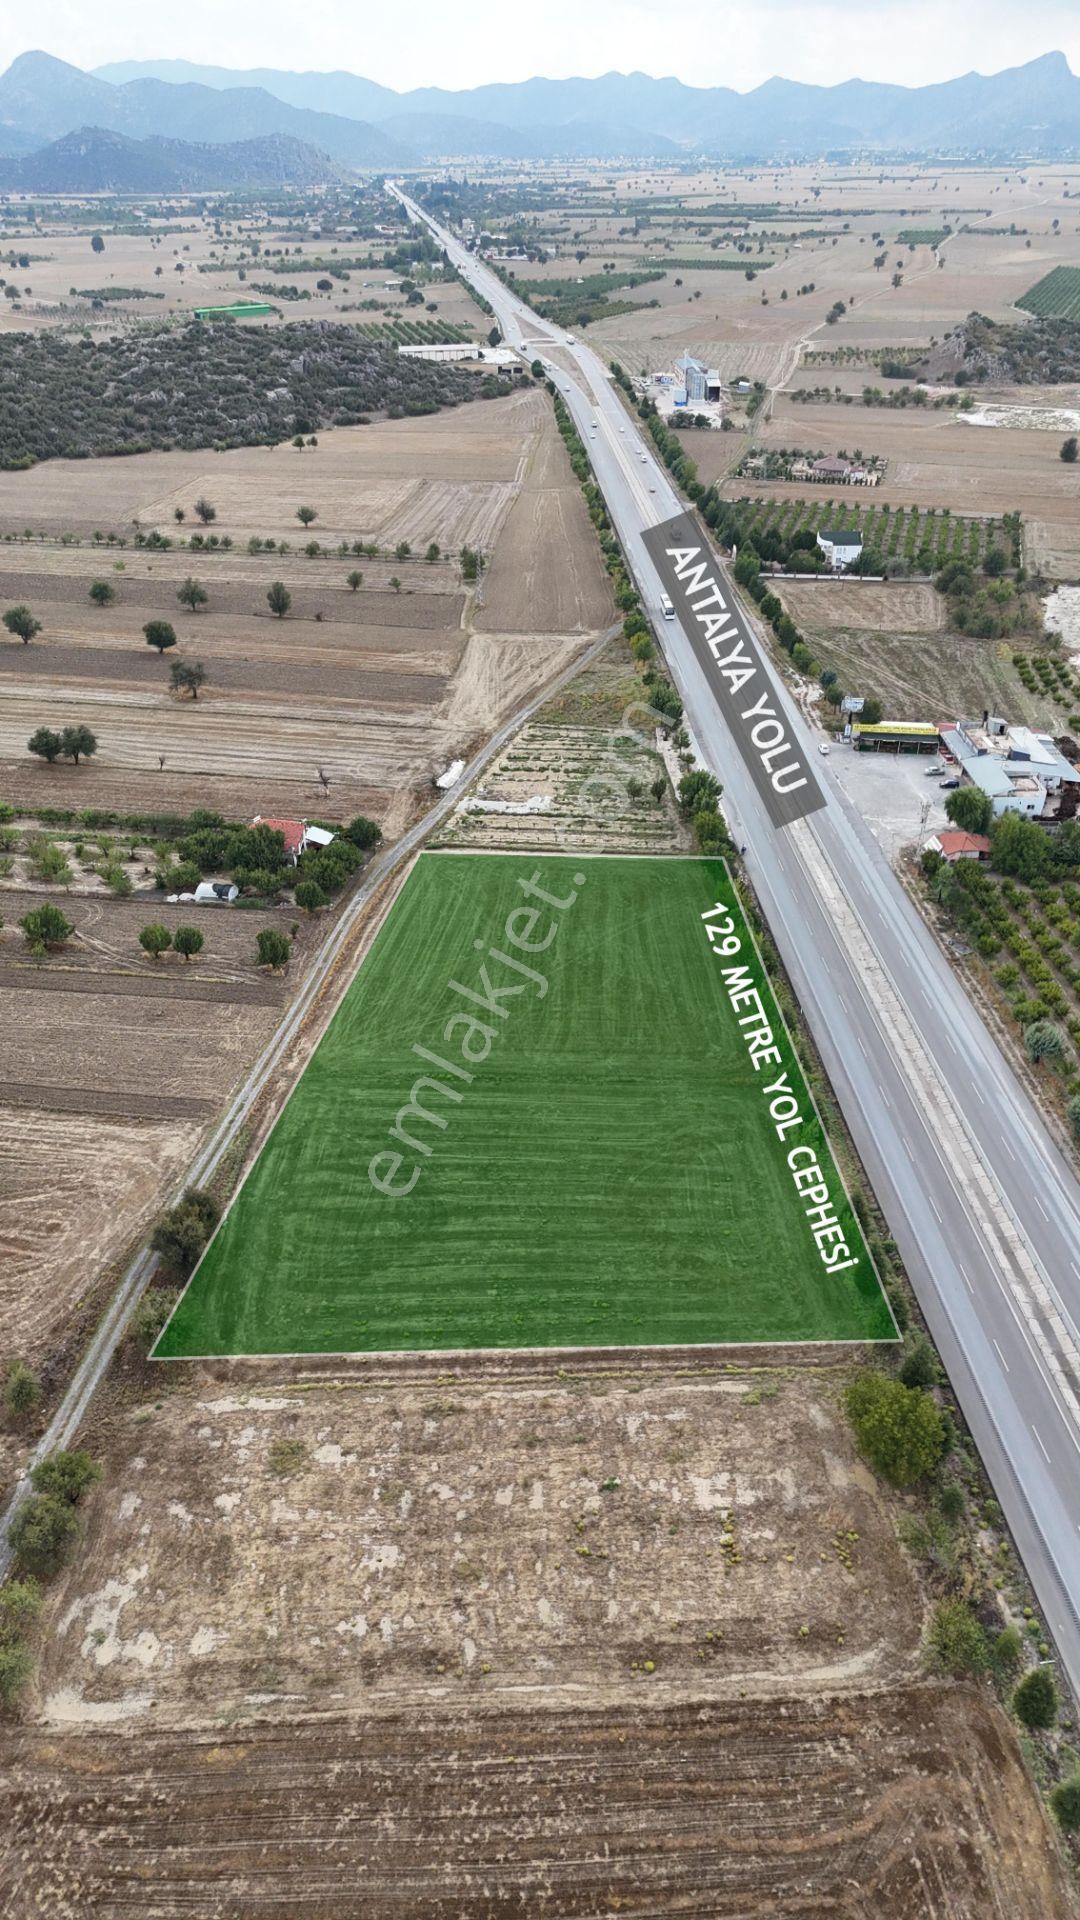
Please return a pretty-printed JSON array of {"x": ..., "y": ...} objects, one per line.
[{"x": 113, "y": 1324}]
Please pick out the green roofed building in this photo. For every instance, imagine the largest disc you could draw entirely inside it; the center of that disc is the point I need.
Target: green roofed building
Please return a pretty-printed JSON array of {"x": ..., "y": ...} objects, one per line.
[{"x": 896, "y": 736}]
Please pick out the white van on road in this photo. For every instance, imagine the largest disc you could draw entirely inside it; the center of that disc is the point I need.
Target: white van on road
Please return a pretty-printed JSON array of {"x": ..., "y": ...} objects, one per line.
[{"x": 666, "y": 607}]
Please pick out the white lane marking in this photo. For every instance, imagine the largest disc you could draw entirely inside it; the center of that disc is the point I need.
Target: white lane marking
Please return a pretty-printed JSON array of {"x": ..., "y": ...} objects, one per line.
[
  {"x": 1038, "y": 1437},
  {"x": 1007, "y": 1148},
  {"x": 862, "y": 1049},
  {"x": 937, "y": 1215},
  {"x": 907, "y": 1148},
  {"x": 950, "y": 1041},
  {"x": 1004, "y": 1363},
  {"x": 967, "y": 1282},
  {"x": 1040, "y": 1206},
  {"x": 978, "y": 1095},
  {"x": 888, "y": 1103}
]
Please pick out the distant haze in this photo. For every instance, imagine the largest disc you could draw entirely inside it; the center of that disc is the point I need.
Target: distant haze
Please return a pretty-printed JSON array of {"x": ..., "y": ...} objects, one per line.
[{"x": 739, "y": 44}]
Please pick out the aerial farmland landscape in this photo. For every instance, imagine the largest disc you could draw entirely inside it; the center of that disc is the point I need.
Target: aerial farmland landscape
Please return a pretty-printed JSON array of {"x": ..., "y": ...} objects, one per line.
[{"x": 540, "y": 972}]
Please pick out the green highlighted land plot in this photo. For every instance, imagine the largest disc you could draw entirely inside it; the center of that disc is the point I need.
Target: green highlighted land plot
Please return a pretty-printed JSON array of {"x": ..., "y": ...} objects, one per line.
[{"x": 556, "y": 1108}]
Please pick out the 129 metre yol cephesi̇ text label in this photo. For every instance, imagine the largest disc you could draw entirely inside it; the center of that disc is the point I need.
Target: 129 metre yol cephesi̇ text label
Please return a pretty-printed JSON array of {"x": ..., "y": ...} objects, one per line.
[{"x": 785, "y": 1105}]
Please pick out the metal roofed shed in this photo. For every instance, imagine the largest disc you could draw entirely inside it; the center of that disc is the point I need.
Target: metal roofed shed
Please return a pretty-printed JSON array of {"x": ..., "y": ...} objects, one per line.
[{"x": 896, "y": 736}]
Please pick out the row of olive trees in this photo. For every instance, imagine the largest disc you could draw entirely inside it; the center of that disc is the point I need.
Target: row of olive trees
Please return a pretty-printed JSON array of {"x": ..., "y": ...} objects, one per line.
[
  {"x": 23, "y": 624},
  {"x": 47, "y": 929}
]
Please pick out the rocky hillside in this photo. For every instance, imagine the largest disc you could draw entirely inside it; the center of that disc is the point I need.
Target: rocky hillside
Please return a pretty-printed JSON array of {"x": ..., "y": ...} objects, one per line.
[
  {"x": 988, "y": 352},
  {"x": 94, "y": 160}
]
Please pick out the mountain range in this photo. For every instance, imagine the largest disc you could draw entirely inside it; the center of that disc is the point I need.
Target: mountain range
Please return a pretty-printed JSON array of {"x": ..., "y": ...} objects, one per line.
[{"x": 1032, "y": 109}]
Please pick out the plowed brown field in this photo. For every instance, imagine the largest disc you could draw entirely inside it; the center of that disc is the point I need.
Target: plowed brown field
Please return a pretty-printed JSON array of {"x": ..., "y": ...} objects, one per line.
[
  {"x": 381, "y": 1646},
  {"x": 911, "y": 1805}
]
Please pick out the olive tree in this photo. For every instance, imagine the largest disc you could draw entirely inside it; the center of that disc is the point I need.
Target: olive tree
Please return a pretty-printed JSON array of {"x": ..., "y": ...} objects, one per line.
[{"x": 21, "y": 622}]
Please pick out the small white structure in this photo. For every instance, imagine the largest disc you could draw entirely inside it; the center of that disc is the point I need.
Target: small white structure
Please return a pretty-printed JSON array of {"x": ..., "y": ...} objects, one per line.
[
  {"x": 213, "y": 893},
  {"x": 502, "y": 357},
  {"x": 841, "y": 547},
  {"x": 452, "y": 775}
]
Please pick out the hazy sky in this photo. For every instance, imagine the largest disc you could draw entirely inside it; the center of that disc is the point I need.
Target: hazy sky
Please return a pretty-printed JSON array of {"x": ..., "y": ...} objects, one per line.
[{"x": 431, "y": 42}]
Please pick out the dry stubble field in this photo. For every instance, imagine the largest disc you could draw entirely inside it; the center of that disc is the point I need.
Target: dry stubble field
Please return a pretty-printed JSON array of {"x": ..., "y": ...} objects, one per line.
[
  {"x": 479, "y": 1643},
  {"x": 379, "y": 687},
  {"x": 380, "y": 691},
  {"x": 132, "y": 260},
  {"x": 892, "y": 639},
  {"x": 746, "y": 326},
  {"x": 113, "y": 1065},
  {"x": 750, "y": 328}
]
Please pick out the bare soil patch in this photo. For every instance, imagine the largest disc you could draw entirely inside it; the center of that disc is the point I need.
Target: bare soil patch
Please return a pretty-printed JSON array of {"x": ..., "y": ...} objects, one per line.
[
  {"x": 417, "y": 1543},
  {"x": 865, "y": 605},
  {"x": 337, "y": 676},
  {"x": 113, "y": 1065},
  {"x": 547, "y": 573},
  {"x": 927, "y": 676},
  {"x": 868, "y": 1806},
  {"x": 599, "y": 1643},
  {"x": 74, "y": 1191}
]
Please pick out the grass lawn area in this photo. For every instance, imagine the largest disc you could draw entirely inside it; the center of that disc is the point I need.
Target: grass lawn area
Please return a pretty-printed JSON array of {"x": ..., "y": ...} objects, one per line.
[{"x": 609, "y": 1175}]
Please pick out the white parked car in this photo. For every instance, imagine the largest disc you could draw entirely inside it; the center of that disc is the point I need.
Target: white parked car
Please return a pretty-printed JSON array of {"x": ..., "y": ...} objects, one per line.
[{"x": 823, "y": 748}]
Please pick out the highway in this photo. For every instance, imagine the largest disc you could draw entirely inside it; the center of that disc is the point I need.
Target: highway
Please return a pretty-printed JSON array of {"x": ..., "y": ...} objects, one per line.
[{"x": 983, "y": 1207}]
